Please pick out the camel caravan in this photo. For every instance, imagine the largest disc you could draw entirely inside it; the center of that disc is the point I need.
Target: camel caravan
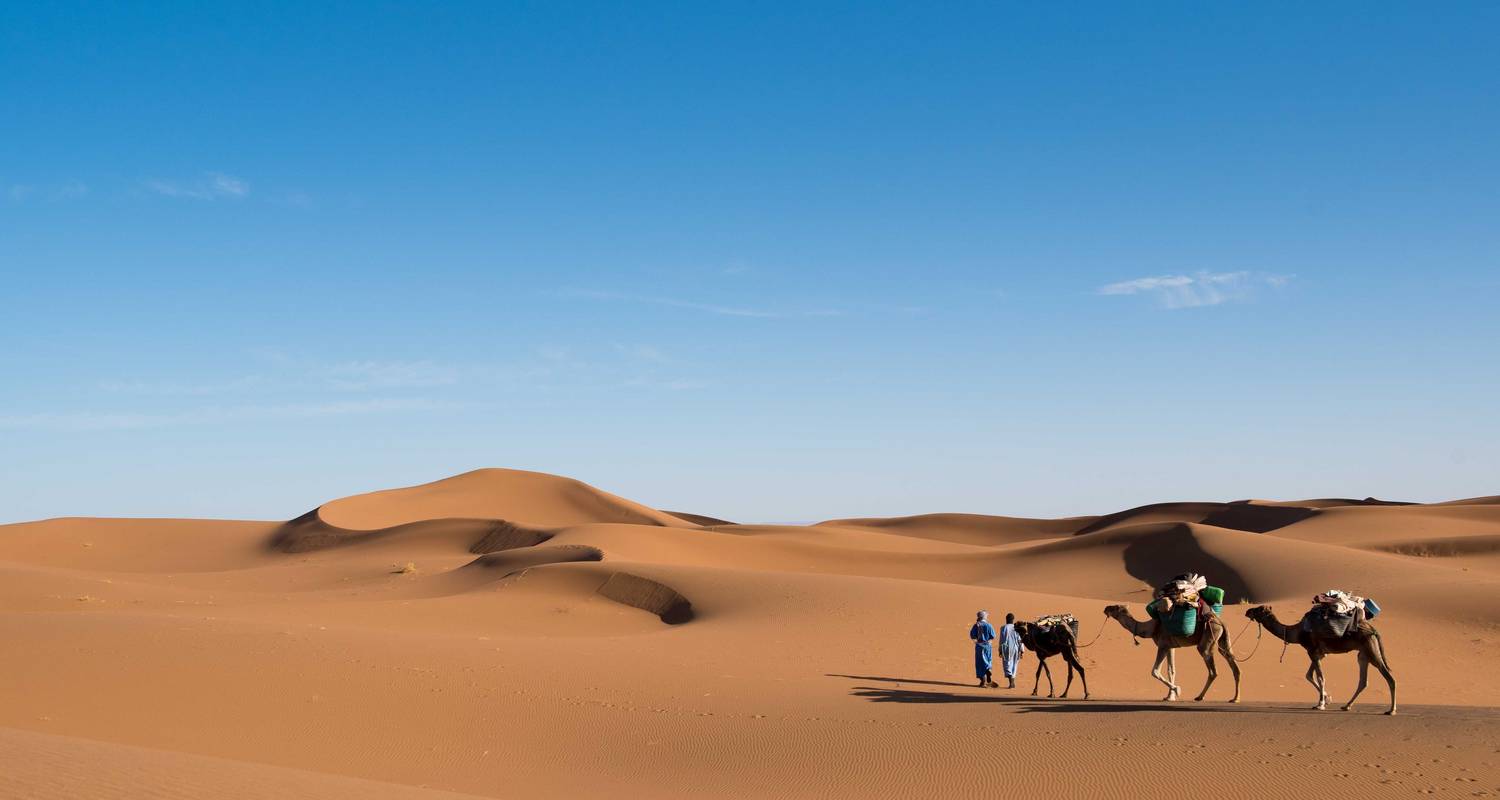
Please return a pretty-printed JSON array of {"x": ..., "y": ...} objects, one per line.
[{"x": 1187, "y": 612}]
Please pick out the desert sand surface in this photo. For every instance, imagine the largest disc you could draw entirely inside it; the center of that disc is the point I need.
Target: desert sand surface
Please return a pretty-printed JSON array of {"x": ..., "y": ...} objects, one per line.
[{"x": 512, "y": 634}]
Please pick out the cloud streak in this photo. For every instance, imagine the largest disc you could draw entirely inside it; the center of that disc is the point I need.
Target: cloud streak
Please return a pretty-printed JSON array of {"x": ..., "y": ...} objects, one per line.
[
  {"x": 212, "y": 186},
  {"x": 72, "y": 190},
  {"x": 707, "y": 308},
  {"x": 1199, "y": 289},
  {"x": 86, "y": 421},
  {"x": 366, "y": 375}
]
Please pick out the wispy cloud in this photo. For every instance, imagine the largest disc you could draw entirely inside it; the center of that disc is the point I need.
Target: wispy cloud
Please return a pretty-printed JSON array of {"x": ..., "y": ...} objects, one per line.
[
  {"x": 365, "y": 375},
  {"x": 707, "y": 308},
  {"x": 281, "y": 372},
  {"x": 243, "y": 383},
  {"x": 1199, "y": 289},
  {"x": 82, "y": 421},
  {"x": 72, "y": 190},
  {"x": 292, "y": 386},
  {"x": 642, "y": 352},
  {"x": 670, "y": 384},
  {"x": 211, "y": 186}
]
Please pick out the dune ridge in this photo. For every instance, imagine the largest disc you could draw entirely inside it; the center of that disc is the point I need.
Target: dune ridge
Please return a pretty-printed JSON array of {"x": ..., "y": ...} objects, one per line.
[{"x": 526, "y": 498}]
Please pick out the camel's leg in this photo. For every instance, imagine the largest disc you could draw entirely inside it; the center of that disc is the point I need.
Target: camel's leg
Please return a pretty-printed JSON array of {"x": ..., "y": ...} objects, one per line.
[
  {"x": 1321, "y": 684},
  {"x": 1364, "y": 678},
  {"x": 1074, "y": 663},
  {"x": 1213, "y": 669},
  {"x": 1378, "y": 659},
  {"x": 1163, "y": 654},
  {"x": 1312, "y": 668},
  {"x": 1227, "y": 649},
  {"x": 1172, "y": 672},
  {"x": 1069, "y": 685},
  {"x": 1041, "y": 664},
  {"x": 1051, "y": 690}
]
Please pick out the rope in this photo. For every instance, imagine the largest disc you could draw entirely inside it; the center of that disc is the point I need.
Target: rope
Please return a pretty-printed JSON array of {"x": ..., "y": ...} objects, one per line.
[
  {"x": 1104, "y": 625},
  {"x": 1258, "y": 631},
  {"x": 1284, "y": 643}
]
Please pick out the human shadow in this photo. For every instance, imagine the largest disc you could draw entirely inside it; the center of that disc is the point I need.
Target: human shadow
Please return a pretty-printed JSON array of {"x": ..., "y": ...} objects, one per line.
[
  {"x": 899, "y": 680},
  {"x": 883, "y": 695}
]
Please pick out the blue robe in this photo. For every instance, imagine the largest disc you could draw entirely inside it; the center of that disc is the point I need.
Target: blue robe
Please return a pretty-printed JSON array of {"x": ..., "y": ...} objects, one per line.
[
  {"x": 982, "y": 633},
  {"x": 1010, "y": 649}
]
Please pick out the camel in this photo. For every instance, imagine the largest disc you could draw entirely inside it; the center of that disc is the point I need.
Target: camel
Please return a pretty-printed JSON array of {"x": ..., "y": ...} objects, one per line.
[
  {"x": 1365, "y": 641},
  {"x": 1210, "y": 635},
  {"x": 1051, "y": 641}
]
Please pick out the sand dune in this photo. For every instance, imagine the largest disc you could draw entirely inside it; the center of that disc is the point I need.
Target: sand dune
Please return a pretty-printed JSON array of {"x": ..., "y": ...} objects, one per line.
[
  {"x": 1246, "y": 516},
  {"x": 969, "y": 528},
  {"x": 506, "y": 633},
  {"x": 698, "y": 519},
  {"x": 526, "y": 498}
]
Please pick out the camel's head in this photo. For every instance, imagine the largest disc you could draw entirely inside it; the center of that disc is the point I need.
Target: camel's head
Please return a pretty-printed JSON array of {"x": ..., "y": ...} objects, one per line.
[
  {"x": 1115, "y": 610},
  {"x": 1258, "y": 613}
]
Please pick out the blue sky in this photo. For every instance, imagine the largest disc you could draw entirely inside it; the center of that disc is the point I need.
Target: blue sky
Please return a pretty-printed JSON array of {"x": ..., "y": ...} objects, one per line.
[{"x": 766, "y": 262}]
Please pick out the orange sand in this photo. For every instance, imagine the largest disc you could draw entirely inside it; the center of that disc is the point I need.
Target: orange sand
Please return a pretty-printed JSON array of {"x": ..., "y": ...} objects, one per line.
[{"x": 512, "y": 634}]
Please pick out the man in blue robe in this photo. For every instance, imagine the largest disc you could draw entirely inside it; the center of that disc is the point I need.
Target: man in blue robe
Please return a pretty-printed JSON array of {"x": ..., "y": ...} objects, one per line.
[
  {"x": 983, "y": 633},
  {"x": 1010, "y": 649}
]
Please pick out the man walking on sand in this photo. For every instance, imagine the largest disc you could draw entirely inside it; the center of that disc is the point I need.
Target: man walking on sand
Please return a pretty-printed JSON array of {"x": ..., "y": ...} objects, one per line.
[
  {"x": 983, "y": 633},
  {"x": 1010, "y": 649}
]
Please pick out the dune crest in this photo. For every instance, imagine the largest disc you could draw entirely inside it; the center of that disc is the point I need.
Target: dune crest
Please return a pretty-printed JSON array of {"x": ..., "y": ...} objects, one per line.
[
  {"x": 533, "y": 499},
  {"x": 980, "y": 529}
]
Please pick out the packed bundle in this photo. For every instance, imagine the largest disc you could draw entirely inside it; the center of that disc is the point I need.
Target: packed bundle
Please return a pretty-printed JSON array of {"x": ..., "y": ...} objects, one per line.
[
  {"x": 1183, "y": 588},
  {"x": 1337, "y": 613},
  {"x": 1067, "y": 620},
  {"x": 1180, "y": 602}
]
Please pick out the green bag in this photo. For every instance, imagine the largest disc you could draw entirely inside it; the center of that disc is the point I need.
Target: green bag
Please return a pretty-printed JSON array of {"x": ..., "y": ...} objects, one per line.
[{"x": 1212, "y": 595}]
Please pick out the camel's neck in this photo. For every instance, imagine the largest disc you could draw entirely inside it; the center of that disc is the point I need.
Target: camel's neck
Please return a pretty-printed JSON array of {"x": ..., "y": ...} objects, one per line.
[
  {"x": 1141, "y": 628},
  {"x": 1285, "y": 633}
]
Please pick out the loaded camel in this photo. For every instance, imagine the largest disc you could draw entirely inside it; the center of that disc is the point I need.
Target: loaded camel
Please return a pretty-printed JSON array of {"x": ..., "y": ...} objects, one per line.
[
  {"x": 1210, "y": 635},
  {"x": 1365, "y": 641},
  {"x": 1047, "y": 642}
]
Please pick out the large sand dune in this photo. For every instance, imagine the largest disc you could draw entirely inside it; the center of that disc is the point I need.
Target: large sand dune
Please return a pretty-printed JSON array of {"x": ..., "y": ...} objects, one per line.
[{"x": 513, "y": 634}]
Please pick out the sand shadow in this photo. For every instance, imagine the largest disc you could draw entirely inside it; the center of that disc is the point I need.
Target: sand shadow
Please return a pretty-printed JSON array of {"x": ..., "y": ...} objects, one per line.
[
  {"x": 1146, "y": 559},
  {"x": 920, "y": 697},
  {"x": 1027, "y": 703},
  {"x": 899, "y": 680}
]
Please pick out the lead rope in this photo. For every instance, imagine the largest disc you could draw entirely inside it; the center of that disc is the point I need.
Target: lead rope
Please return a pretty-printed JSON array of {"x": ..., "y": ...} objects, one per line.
[
  {"x": 1258, "y": 631},
  {"x": 1097, "y": 635}
]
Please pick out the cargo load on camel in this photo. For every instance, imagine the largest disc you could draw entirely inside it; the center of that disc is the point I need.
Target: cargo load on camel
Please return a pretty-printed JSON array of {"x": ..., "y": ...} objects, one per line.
[
  {"x": 1066, "y": 620},
  {"x": 1337, "y": 613},
  {"x": 1181, "y": 602}
]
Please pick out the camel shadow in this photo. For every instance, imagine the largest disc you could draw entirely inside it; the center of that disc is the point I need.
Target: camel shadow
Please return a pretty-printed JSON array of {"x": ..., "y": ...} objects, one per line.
[{"x": 1028, "y": 704}]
